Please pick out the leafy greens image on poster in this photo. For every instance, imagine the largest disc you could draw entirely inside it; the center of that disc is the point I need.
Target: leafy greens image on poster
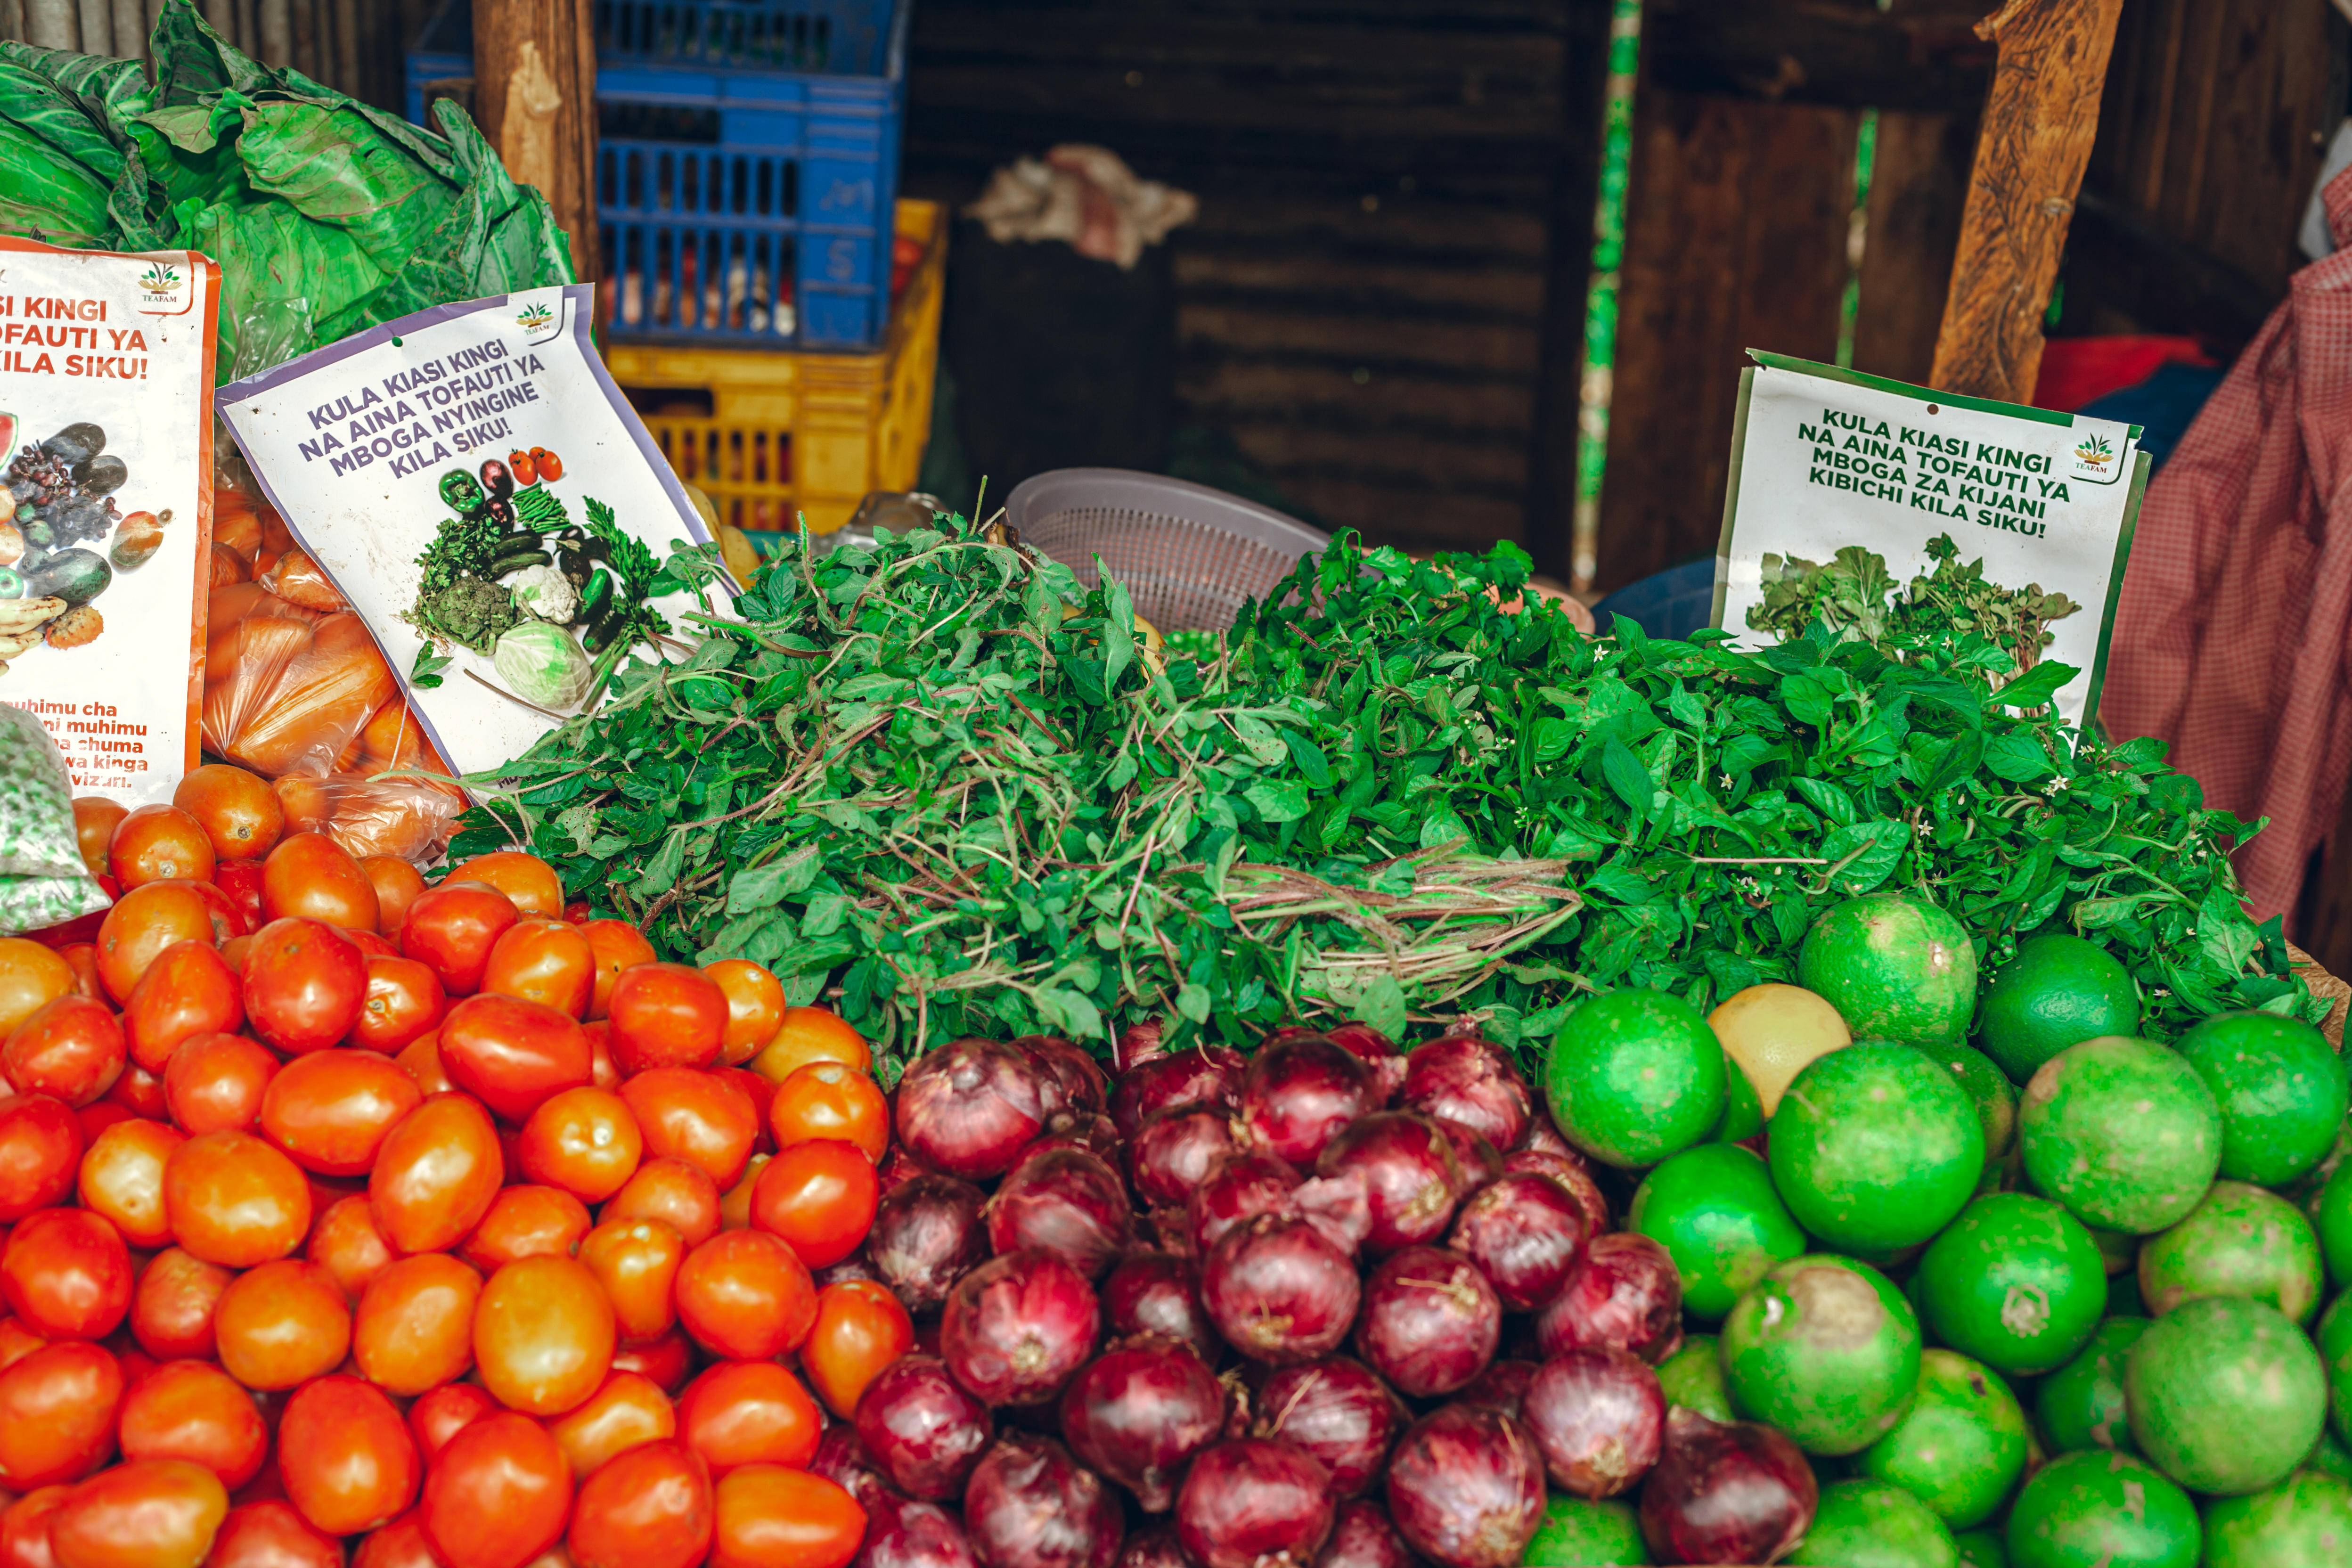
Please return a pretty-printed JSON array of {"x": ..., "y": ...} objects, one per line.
[{"x": 478, "y": 488}]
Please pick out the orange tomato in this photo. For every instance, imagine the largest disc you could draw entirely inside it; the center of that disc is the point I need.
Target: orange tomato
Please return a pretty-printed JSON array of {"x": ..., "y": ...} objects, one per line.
[
  {"x": 415, "y": 1327},
  {"x": 543, "y": 1335},
  {"x": 331, "y": 1110},
  {"x": 304, "y": 983},
  {"x": 666, "y": 1359},
  {"x": 348, "y": 1245},
  {"x": 122, "y": 1178},
  {"x": 627, "y": 1412},
  {"x": 666, "y": 1015},
  {"x": 527, "y": 1221},
  {"x": 827, "y": 1100},
  {"x": 40, "y": 1154},
  {"x": 745, "y": 1296},
  {"x": 142, "y": 924},
  {"x": 649, "y": 1508},
  {"x": 680, "y": 1195},
  {"x": 810, "y": 1035},
  {"x": 528, "y": 880},
  {"x": 215, "y": 1083},
  {"x": 58, "y": 1411},
  {"x": 193, "y": 1410},
  {"x": 308, "y": 876},
  {"x": 618, "y": 946},
  {"x": 436, "y": 1175},
  {"x": 543, "y": 961},
  {"x": 346, "y": 1455},
  {"x": 240, "y": 882},
  {"x": 188, "y": 990},
  {"x": 95, "y": 819},
  {"x": 749, "y": 1413},
  {"x": 861, "y": 1328},
  {"x": 271, "y": 1534},
  {"x": 233, "y": 1200},
  {"x": 697, "y": 1117},
  {"x": 31, "y": 977},
  {"x": 238, "y": 810},
  {"x": 498, "y": 1494},
  {"x": 440, "y": 1413},
  {"x": 72, "y": 1047},
  {"x": 65, "y": 1275},
  {"x": 755, "y": 1007},
  {"x": 403, "y": 1002},
  {"x": 282, "y": 1324},
  {"x": 398, "y": 885},
  {"x": 172, "y": 1306},
  {"x": 82, "y": 957},
  {"x": 584, "y": 1141},
  {"x": 146, "y": 1513},
  {"x": 818, "y": 1198},
  {"x": 770, "y": 1517},
  {"x": 511, "y": 1055},
  {"x": 156, "y": 843},
  {"x": 636, "y": 1261},
  {"x": 452, "y": 928},
  {"x": 735, "y": 1204}
]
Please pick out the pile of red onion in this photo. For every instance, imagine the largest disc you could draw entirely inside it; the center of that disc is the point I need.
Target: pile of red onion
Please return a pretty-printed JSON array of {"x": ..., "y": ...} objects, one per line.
[{"x": 1325, "y": 1306}]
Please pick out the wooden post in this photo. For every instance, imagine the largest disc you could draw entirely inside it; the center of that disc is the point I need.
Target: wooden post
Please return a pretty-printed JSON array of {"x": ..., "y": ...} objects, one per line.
[
  {"x": 2039, "y": 123},
  {"x": 535, "y": 98}
]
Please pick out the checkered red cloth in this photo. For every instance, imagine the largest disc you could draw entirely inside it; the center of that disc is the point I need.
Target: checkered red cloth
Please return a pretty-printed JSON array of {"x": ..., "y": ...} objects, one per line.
[{"x": 2231, "y": 635}]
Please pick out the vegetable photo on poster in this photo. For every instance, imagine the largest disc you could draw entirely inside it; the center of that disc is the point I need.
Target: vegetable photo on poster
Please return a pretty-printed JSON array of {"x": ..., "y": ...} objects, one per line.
[{"x": 475, "y": 483}]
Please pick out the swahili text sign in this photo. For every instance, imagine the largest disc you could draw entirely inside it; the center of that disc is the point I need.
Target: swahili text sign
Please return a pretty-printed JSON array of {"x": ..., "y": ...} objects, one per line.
[{"x": 1823, "y": 457}]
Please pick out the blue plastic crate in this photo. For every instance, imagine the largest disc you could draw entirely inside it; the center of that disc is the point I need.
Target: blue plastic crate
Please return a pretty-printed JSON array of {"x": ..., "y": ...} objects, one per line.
[{"x": 747, "y": 164}]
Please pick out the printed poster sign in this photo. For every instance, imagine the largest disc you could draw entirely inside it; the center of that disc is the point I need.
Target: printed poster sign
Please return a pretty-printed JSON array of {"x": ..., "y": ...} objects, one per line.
[{"x": 1823, "y": 458}]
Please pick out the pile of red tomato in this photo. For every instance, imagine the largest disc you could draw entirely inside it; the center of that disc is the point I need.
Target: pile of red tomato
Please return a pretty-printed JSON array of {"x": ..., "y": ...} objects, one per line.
[{"x": 348, "y": 1220}]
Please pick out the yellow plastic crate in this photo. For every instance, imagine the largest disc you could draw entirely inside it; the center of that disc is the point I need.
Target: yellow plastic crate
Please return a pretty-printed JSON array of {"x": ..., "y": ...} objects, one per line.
[{"x": 799, "y": 433}]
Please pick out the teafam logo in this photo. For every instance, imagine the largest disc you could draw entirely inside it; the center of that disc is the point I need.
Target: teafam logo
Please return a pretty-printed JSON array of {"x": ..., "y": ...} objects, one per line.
[
  {"x": 2097, "y": 452},
  {"x": 534, "y": 317},
  {"x": 160, "y": 279}
]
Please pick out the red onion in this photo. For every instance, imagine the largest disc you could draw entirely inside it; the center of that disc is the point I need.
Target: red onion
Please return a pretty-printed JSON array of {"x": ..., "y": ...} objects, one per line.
[
  {"x": 1504, "y": 1386},
  {"x": 1083, "y": 1087},
  {"x": 1140, "y": 1042},
  {"x": 1543, "y": 1136},
  {"x": 898, "y": 1168},
  {"x": 968, "y": 1106},
  {"x": 1030, "y": 1506},
  {"x": 1155, "y": 1547},
  {"x": 1466, "y": 1487},
  {"x": 1139, "y": 1411},
  {"x": 1598, "y": 1417},
  {"x": 1066, "y": 1202},
  {"x": 1737, "y": 1493},
  {"x": 1093, "y": 1134},
  {"x": 1464, "y": 1078},
  {"x": 1298, "y": 1094},
  {"x": 1279, "y": 1290},
  {"x": 1206, "y": 1075},
  {"x": 1254, "y": 1502},
  {"x": 1480, "y": 1164},
  {"x": 1364, "y": 1536},
  {"x": 923, "y": 1431},
  {"x": 1573, "y": 1176},
  {"x": 1337, "y": 1411},
  {"x": 1525, "y": 1234},
  {"x": 842, "y": 1459},
  {"x": 1410, "y": 1176},
  {"x": 1160, "y": 1293},
  {"x": 1017, "y": 1327},
  {"x": 1367, "y": 1045},
  {"x": 1171, "y": 1153},
  {"x": 859, "y": 1265},
  {"x": 1239, "y": 1188},
  {"x": 927, "y": 1234},
  {"x": 1625, "y": 1293},
  {"x": 902, "y": 1534},
  {"x": 1431, "y": 1322}
]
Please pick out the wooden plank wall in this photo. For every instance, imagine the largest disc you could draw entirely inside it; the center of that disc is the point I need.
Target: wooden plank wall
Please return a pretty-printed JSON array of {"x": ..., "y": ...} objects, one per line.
[{"x": 1382, "y": 298}]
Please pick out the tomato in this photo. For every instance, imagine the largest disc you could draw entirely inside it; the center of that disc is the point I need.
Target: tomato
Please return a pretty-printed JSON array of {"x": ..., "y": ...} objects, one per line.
[
  {"x": 67, "y": 1275},
  {"x": 755, "y": 1007},
  {"x": 403, "y": 1002},
  {"x": 304, "y": 981},
  {"x": 584, "y": 1141},
  {"x": 172, "y": 1305},
  {"x": 147, "y": 1513},
  {"x": 527, "y": 879},
  {"x": 413, "y": 1331},
  {"x": 810, "y": 1035},
  {"x": 665, "y": 1014},
  {"x": 397, "y": 885},
  {"x": 159, "y": 843},
  {"x": 346, "y": 1243},
  {"x": 770, "y": 1517},
  {"x": 215, "y": 1083},
  {"x": 544, "y": 960},
  {"x": 735, "y": 1204},
  {"x": 331, "y": 1110},
  {"x": 122, "y": 1179},
  {"x": 282, "y": 1324},
  {"x": 31, "y": 977},
  {"x": 234, "y": 1200},
  {"x": 238, "y": 810},
  {"x": 650, "y": 1507},
  {"x": 749, "y": 1413},
  {"x": 40, "y": 1154},
  {"x": 601, "y": 1071},
  {"x": 697, "y": 1117},
  {"x": 678, "y": 1194},
  {"x": 512, "y": 1055},
  {"x": 71, "y": 1048},
  {"x": 81, "y": 957},
  {"x": 498, "y": 1494},
  {"x": 436, "y": 1175},
  {"x": 189, "y": 990},
  {"x": 24, "y": 1528},
  {"x": 627, "y": 1412},
  {"x": 308, "y": 876},
  {"x": 440, "y": 1413},
  {"x": 743, "y": 1295},
  {"x": 618, "y": 945},
  {"x": 95, "y": 820},
  {"x": 240, "y": 882},
  {"x": 370, "y": 944},
  {"x": 193, "y": 1410},
  {"x": 145, "y": 920},
  {"x": 528, "y": 1221},
  {"x": 403, "y": 1543},
  {"x": 861, "y": 1328},
  {"x": 636, "y": 1261},
  {"x": 421, "y": 1060},
  {"x": 57, "y": 1414},
  {"x": 451, "y": 930},
  {"x": 272, "y": 1535},
  {"x": 543, "y": 1335},
  {"x": 827, "y": 1100},
  {"x": 665, "y": 1360},
  {"x": 818, "y": 1197},
  {"x": 347, "y": 1457}
]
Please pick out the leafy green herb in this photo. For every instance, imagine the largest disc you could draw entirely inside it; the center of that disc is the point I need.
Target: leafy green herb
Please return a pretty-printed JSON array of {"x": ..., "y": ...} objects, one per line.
[
  {"x": 426, "y": 673},
  {"x": 462, "y": 546}
]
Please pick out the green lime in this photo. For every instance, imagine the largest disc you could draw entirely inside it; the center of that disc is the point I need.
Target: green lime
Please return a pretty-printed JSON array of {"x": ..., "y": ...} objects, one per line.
[
  {"x": 2240, "y": 1241},
  {"x": 2058, "y": 991},
  {"x": 2331, "y": 1216},
  {"x": 1995, "y": 1096},
  {"x": 1876, "y": 1148},
  {"x": 2081, "y": 1405},
  {"x": 2305, "y": 1188},
  {"x": 2122, "y": 1131},
  {"x": 1981, "y": 1548},
  {"x": 1895, "y": 968},
  {"x": 1743, "y": 1113},
  {"x": 2282, "y": 1088},
  {"x": 1960, "y": 1447},
  {"x": 1825, "y": 1349},
  {"x": 1636, "y": 1075},
  {"x": 2102, "y": 1510},
  {"x": 1692, "y": 1378},
  {"x": 1869, "y": 1524},
  {"x": 2304, "y": 1522},
  {"x": 2334, "y": 1338},
  {"x": 2330, "y": 1455},
  {"x": 2225, "y": 1394},
  {"x": 1713, "y": 1208},
  {"x": 2015, "y": 1281},
  {"x": 1580, "y": 1534}
]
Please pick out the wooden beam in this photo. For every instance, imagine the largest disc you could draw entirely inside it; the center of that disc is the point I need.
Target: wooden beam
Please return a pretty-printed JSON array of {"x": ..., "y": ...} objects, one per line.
[
  {"x": 535, "y": 98},
  {"x": 1919, "y": 56},
  {"x": 2039, "y": 123}
]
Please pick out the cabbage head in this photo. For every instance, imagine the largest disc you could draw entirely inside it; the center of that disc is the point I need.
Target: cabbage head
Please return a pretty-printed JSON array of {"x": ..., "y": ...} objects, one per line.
[{"x": 543, "y": 664}]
